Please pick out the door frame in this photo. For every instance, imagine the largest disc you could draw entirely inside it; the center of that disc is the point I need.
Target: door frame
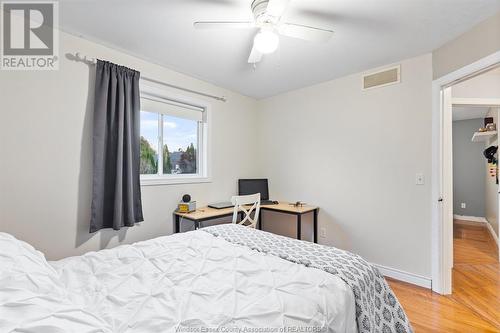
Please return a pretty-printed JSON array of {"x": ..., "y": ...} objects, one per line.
[{"x": 442, "y": 174}]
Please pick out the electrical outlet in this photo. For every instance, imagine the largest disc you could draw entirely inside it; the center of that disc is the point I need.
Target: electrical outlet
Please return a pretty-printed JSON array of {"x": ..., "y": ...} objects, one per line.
[
  {"x": 419, "y": 179},
  {"x": 463, "y": 205},
  {"x": 322, "y": 233}
]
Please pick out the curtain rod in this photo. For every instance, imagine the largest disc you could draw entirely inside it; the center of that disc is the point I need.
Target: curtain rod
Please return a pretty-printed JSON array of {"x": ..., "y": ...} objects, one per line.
[{"x": 92, "y": 61}]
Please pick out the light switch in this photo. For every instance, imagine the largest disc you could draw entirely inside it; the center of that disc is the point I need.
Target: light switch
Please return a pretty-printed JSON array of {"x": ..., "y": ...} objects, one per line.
[{"x": 419, "y": 179}]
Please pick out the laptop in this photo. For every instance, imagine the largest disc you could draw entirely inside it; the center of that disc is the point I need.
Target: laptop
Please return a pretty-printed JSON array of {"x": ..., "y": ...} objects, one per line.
[
  {"x": 221, "y": 205},
  {"x": 252, "y": 186},
  {"x": 246, "y": 187}
]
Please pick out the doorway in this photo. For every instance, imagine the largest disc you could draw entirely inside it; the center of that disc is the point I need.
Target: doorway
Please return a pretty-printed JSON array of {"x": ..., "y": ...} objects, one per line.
[
  {"x": 475, "y": 114},
  {"x": 443, "y": 206},
  {"x": 476, "y": 193}
]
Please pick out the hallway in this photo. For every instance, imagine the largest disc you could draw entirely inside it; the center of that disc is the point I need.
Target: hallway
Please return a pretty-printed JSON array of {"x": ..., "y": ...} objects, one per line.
[{"x": 474, "y": 305}]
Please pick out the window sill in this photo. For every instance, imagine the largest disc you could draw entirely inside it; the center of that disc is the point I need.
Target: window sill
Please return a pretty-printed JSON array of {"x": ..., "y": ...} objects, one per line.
[{"x": 158, "y": 181}]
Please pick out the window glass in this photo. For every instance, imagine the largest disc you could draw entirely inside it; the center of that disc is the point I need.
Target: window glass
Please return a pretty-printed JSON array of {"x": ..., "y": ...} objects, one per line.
[
  {"x": 149, "y": 143},
  {"x": 180, "y": 145}
]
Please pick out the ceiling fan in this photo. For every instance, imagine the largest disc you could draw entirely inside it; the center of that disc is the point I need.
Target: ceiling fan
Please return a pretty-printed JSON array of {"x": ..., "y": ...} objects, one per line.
[{"x": 268, "y": 19}]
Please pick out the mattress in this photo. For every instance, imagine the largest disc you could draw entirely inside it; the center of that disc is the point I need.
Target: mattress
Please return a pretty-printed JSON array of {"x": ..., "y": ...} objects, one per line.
[{"x": 185, "y": 282}]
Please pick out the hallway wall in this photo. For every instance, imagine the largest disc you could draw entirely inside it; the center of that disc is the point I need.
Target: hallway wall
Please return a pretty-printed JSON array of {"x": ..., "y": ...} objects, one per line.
[{"x": 468, "y": 169}]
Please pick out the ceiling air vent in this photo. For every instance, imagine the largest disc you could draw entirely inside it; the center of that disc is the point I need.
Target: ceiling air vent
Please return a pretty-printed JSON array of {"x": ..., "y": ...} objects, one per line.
[{"x": 382, "y": 78}]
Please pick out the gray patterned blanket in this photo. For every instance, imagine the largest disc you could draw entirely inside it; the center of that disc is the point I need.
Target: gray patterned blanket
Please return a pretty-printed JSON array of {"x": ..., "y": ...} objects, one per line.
[{"x": 377, "y": 308}]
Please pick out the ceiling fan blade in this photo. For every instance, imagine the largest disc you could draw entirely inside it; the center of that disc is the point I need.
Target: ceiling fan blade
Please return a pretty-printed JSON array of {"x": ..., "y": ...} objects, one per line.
[
  {"x": 277, "y": 8},
  {"x": 305, "y": 32},
  {"x": 255, "y": 56},
  {"x": 224, "y": 25}
]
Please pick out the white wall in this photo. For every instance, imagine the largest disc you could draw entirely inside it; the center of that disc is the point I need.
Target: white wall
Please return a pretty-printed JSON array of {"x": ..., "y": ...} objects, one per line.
[
  {"x": 356, "y": 154},
  {"x": 486, "y": 85},
  {"x": 45, "y": 149},
  {"x": 475, "y": 44}
]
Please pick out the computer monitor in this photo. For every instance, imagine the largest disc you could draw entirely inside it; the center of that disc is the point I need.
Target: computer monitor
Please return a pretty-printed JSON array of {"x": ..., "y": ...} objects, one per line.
[{"x": 252, "y": 186}]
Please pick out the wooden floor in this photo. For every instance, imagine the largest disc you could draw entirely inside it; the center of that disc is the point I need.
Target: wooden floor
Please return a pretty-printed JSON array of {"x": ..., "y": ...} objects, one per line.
[{"x": 474, "y": 305}]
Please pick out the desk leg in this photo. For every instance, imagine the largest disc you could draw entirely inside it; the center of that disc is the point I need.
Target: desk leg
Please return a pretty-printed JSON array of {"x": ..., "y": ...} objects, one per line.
[
  {"x": 177, "y": 227},
  {"x": 299, "y": 226},
  {"x": 196, "y": 225},
  {"x": 315, "y": 226},
  {"x": 259, "y": 222}
]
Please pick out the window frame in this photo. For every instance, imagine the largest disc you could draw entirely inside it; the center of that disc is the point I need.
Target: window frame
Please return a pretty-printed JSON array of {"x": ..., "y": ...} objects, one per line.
[{"x": 202, "y": 158}]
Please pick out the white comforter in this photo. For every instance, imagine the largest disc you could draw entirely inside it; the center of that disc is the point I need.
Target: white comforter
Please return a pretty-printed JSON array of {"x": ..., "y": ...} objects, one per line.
[{"x": 185, "y": 282}]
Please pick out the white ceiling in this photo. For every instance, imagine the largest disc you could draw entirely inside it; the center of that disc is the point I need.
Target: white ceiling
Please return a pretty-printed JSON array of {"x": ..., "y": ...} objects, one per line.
[
  {"x": 368, "y": 33},
  {"x": 468, "y": 112}
]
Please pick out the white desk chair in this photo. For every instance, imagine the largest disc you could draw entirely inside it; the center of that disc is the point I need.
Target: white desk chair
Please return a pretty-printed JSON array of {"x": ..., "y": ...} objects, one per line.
[{"x": 241, "y": 203}]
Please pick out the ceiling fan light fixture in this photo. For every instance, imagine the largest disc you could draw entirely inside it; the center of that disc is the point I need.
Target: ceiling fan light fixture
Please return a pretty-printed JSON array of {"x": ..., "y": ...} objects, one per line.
[{"x": 266, "y": 42}]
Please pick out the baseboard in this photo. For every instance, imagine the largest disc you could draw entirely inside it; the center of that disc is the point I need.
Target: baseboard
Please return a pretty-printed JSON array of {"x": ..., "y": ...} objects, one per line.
[
  {"x": 479, "y": 220},
  {"x": 397, "y": 274},
  {"x": 470, "y": 218},
  {"x": 492, "y": 232}
]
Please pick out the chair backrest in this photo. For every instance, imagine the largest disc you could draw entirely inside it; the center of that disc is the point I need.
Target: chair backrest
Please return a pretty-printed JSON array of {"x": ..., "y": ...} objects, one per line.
[{"x": 246, "y": 204}]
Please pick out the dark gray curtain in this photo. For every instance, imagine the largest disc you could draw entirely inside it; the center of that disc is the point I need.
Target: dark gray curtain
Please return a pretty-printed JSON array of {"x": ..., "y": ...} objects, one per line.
[{"x": 116, "y": 196}]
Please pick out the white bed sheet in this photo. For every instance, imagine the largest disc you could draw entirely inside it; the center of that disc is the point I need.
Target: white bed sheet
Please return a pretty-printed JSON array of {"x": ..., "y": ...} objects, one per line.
[{"x": 195, "y": 280}]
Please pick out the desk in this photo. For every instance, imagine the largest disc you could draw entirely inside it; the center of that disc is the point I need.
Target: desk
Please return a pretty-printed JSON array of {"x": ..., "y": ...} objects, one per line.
[{"x": 206, "y": 213}]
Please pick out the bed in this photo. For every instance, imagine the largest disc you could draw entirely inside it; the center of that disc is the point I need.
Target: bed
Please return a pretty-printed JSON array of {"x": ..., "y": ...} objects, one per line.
[{"x": 224, "y": 278}]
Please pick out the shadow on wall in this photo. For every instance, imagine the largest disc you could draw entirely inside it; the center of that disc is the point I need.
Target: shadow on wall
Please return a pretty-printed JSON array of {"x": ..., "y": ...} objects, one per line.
[
  {"x": 337, "y": 235},
  {"x": 84, "y": 194},
  {"x": 286, "y": 225}
]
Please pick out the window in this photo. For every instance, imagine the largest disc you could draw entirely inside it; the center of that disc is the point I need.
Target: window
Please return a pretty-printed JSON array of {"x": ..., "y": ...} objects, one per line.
[{"x": 173, "y": 141}]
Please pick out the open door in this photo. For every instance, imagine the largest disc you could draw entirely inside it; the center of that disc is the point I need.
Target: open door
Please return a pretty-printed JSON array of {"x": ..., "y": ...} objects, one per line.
[
  {"x": 498, "y": 194},
  {"x": 447, "y": 190}
]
